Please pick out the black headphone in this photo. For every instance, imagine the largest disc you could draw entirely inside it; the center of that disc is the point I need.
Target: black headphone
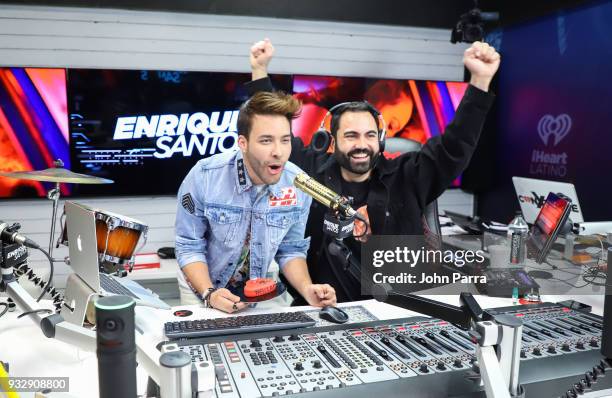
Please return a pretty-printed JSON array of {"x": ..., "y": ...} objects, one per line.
[{"x": 321, "y": 139}]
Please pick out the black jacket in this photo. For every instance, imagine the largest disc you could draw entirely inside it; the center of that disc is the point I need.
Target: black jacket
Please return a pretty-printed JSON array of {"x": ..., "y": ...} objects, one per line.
[{"x": 399, "y": 188}]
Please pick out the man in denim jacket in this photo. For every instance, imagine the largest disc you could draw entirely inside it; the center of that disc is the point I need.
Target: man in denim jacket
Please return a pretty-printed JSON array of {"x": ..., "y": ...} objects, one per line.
[{"x": 238, "y": 211}]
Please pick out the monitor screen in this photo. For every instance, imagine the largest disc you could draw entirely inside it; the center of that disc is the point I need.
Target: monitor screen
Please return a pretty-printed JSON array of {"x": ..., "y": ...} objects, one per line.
[
  {"x": 550, "y": 221},
  {"x": 33, "y": 127},
  {"x": 413, "y": 109},
  {"x": 146, "y": 129}
]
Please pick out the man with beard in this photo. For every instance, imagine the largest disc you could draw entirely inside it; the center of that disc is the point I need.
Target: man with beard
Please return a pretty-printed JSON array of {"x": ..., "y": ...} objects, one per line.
[
  {"x": 392, "y": 193},
  {"x": 238, "y": 211}
]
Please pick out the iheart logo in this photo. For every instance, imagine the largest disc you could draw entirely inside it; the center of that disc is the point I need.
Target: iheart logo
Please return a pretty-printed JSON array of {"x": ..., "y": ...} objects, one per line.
[{"x": 558, "y": 127}]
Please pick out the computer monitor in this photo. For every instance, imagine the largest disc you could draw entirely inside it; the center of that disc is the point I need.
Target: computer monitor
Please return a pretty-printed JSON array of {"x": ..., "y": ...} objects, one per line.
[
  {"x": 531, "y": 193},
  {"x": 546, "y": 227}
]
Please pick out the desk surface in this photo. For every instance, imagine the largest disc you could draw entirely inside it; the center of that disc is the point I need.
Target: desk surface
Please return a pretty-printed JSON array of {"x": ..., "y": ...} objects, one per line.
[
  {"x": 567, "y": 276},
  {"x": 29, "y": 353}
]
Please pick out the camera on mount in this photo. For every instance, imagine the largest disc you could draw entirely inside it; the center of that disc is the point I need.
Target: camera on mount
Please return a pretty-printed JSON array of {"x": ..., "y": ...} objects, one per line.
[
  {"x": 470, "y": 27},
  {"x": 12, "y": 254}
]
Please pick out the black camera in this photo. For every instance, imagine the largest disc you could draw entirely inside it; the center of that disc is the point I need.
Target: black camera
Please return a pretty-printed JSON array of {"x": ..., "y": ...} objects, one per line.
[
  {"x": 470, "y": 27},
  {"x": 116, "y": 346}
]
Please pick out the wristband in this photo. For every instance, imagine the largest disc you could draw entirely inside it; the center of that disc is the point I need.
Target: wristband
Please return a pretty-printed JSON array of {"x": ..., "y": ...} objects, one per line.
[{"x": 206, "y": 296}]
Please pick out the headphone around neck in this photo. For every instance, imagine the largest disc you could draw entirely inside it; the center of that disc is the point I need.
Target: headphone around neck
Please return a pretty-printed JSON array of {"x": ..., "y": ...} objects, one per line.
[{"x": 321, "y": 139}]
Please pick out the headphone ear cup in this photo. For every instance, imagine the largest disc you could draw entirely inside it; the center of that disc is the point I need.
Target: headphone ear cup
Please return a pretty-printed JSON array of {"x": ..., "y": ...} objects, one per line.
[
  {"x": 382, "y": 138},
  {"x": 320, "y": 141}
]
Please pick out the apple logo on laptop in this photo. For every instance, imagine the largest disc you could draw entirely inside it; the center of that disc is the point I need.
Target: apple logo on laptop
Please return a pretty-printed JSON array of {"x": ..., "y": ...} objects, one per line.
[{"x": 79, "y": 244}]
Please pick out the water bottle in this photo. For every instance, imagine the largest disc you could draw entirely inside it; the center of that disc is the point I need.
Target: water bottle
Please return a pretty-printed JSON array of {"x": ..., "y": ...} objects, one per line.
[{"x": 518, "y": 231}]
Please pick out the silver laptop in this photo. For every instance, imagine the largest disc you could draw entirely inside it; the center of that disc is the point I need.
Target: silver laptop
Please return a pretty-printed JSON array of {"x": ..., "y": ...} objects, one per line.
[
  {"x": 83, "y": 249},
  {"x": 532, "y": 193}
]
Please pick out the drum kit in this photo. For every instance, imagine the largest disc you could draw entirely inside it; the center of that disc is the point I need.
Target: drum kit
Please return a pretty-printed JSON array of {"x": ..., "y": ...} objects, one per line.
[{"x": 117, "y": 236}]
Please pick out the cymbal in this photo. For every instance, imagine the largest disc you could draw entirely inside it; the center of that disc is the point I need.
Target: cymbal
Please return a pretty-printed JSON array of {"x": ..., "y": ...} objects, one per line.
[{"x": 56, "y": 174}]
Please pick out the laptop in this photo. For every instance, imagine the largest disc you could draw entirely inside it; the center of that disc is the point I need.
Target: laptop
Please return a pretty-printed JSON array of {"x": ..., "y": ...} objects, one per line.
[
  {"x": 532, "y": 193},
  {"x": 83, "y": 249}
]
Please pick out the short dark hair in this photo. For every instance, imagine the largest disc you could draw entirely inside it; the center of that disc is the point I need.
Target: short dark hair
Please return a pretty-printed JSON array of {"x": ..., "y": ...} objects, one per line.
[
  {"x": 267, "y": 103},
  {"x": 358, "y": 106}
]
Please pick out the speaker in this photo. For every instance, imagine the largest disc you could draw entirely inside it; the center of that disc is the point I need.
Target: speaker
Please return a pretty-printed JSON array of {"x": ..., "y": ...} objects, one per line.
[{"x": 116, "y": 347}]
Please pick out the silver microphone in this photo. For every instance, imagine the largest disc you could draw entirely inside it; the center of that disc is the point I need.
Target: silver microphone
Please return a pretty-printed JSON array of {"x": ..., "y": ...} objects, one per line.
[{"x": 324, "y": 195}]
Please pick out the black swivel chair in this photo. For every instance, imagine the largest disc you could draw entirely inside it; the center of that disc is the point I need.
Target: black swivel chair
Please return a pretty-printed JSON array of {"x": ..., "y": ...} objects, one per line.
[{"x": 430, "y": 219}]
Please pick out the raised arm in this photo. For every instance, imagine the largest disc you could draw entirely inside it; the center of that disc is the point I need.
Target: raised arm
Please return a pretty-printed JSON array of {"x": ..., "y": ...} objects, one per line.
[
  {"x": 260, "y": 55},
  {"x": 444, "y": 157}
]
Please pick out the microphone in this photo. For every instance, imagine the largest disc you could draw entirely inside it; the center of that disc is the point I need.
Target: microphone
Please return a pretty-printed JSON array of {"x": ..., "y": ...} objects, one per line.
[
  {"x": 9, "y": 235},
  {"x": 325, "y": 196}
]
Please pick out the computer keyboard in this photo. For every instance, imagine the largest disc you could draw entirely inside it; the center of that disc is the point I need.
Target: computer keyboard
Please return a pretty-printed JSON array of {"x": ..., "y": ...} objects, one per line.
[
  {"x": 237, "y": 324},
  {"x": 110, "y": 285}
]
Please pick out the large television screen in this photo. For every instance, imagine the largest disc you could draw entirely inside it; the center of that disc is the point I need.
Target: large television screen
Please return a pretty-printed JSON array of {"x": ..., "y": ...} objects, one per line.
[
  {"x": 146, "y": 129},
  {"x": 33, "y": 126},
  {"x": 413, "y": 109}
]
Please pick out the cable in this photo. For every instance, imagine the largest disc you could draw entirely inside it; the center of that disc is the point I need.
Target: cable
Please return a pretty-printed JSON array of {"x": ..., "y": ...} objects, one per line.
[
  {"x": 594, "y": 273},
  {"x": 24, "y": 270},
  {"x": 5, "y": 310},
  {"x": 555, "y": 267},
  {"x": 50, "y": 274},
  {"x": 38, "y": 311},
  {"x": 602, "y": 248}
]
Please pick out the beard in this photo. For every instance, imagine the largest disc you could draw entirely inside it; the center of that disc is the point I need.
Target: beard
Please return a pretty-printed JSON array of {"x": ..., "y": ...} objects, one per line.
[{"x": 345, "y": 160}]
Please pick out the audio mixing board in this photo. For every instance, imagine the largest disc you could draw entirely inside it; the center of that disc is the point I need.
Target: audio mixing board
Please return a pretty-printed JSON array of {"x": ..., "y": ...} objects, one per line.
[{"x": 415, "y": 356}]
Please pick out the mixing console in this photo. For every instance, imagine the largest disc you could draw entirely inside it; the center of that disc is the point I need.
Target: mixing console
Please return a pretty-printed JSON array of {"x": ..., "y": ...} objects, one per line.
[{"x": 420, "y": 355}]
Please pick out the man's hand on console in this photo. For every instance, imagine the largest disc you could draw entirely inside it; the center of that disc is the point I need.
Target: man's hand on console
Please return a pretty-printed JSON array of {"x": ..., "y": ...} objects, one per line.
[
  {"x": 224, "y": 300},
  {"x": 319, "y": 295}
]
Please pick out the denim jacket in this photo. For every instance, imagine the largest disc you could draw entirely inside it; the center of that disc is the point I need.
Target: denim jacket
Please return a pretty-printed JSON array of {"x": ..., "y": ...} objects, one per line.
[{"x": 217, "y": 204}]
